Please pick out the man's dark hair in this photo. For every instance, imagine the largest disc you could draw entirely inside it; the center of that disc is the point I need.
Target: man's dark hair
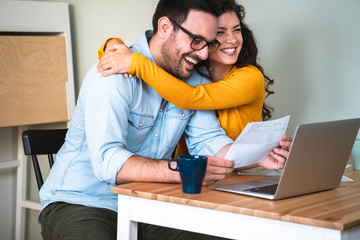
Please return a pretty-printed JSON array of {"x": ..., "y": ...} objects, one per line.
[{"x": 178, "y": 10}]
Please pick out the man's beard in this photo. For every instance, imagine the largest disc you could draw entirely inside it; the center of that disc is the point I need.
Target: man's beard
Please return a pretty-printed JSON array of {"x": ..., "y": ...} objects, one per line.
[{"x": 171, "y": 62}]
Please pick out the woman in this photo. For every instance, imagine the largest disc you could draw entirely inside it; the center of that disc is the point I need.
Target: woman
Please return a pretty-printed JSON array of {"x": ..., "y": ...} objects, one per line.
[{"x": 238, "y": 87}]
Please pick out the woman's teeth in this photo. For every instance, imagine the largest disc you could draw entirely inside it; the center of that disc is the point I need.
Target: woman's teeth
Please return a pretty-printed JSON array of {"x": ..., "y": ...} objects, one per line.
[{"x": 229, "y": 50}]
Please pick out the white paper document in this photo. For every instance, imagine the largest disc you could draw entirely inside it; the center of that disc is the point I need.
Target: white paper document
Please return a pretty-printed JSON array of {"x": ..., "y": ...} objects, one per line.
[{"x": 256, "y": 141}]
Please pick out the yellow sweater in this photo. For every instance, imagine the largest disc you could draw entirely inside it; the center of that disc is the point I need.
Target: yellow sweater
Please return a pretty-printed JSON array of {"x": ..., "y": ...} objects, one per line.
[{"x": 238, "y": 98}]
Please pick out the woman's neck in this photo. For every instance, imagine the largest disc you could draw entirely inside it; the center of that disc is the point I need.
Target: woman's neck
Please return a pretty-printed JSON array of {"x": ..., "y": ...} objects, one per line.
[{"x": 219, "y": 71}]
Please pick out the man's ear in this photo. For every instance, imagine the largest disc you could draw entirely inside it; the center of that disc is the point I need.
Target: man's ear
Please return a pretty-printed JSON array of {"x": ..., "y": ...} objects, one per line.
[{"x": 165, "y": 27}]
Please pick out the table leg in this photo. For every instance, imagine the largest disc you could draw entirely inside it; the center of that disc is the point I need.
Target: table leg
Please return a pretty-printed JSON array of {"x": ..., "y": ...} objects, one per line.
[{"x": 126, "y": 229}]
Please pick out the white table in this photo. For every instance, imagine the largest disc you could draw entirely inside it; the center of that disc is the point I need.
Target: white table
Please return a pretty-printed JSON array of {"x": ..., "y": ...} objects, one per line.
[{"x": 328, "y": 215}]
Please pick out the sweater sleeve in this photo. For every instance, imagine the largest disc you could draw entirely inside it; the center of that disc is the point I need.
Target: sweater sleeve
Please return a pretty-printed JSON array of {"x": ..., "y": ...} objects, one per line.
[
  {"x": 101, "y": 50},
  {"x": 239, "y": 87}
]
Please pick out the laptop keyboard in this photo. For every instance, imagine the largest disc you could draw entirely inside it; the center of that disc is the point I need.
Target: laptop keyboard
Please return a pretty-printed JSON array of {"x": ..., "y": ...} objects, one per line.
[{"x": 269, "y": 189}]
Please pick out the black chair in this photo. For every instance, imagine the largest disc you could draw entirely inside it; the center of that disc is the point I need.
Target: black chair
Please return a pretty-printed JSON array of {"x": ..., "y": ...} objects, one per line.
[{"x": 42, "y": 142}]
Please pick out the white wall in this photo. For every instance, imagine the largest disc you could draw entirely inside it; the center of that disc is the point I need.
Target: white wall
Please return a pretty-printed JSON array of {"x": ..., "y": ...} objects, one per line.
[
  {"x": 94, "y": 21},
  {"x": 311, "y": 49}
]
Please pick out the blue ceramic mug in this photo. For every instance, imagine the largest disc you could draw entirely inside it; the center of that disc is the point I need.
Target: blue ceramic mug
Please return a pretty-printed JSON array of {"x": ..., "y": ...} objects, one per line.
[{"x": 192, "y": 169}]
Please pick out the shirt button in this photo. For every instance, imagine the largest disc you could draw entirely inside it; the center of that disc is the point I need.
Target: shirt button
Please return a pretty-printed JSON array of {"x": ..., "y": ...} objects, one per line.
[
  {"x": 156, "y": 135},
  {"x": 151, "y": 157},
  {"x": 183, "y": 114},
  {"x": 140, "y": 124},
  {"x": 160, "y": 109}
]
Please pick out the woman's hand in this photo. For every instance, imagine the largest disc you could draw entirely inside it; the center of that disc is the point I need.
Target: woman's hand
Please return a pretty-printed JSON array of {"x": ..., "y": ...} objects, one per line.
[
  {"x": 276, "y": 158},
  {"x": 117, "y": 59}
]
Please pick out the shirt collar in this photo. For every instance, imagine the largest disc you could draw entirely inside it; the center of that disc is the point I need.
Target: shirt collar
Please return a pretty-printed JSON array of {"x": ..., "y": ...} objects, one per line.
[{"x": 142, "y": 46}]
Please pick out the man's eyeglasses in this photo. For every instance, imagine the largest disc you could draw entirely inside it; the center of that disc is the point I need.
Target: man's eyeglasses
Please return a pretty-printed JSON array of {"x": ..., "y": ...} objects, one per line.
[{"x": 198, "y": 42}]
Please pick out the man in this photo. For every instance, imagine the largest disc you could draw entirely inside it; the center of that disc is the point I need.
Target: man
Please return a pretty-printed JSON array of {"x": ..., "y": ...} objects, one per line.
[{"x": 121, "y": 130}]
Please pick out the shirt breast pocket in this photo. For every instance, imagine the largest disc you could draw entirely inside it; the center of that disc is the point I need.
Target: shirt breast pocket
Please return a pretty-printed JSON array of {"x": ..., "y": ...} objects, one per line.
[
  {"x": 176, "y": 120},
  {"x": 139, "y": 127}
]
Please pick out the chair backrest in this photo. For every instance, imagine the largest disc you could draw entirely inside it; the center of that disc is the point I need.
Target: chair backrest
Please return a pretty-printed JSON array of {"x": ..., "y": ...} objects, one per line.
[{"x": 42, "y": 142}]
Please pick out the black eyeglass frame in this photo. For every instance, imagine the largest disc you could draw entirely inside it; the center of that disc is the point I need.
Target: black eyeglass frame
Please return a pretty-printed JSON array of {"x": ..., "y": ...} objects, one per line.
[{"x": 198, "y": 39}]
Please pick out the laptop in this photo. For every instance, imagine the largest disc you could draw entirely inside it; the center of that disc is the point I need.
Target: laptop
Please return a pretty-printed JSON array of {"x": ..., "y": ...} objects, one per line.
[{"x": 316, "y": 162}]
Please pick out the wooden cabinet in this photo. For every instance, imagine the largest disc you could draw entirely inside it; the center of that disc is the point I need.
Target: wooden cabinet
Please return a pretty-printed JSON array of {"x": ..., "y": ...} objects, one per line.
[{"x": 33, "y": 80}]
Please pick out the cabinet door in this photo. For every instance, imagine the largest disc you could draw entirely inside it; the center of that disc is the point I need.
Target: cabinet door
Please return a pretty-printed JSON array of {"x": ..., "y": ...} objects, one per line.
[{"x": 33, "y": 80}]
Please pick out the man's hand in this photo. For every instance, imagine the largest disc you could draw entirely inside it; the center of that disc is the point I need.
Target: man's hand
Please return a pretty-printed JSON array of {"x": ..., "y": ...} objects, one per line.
[
  {"x": 276, "y": 158},
  {"x": 217, "y": 169},
  {"x": 117, "y": 59}
]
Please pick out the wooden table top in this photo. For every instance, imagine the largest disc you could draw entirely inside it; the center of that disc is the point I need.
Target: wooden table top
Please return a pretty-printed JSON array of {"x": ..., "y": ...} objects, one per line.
[{"x": 335, "y": 209}]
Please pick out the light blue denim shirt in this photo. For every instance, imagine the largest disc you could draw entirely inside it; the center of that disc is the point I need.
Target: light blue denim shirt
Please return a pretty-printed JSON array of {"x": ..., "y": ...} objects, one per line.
[{"x": 115, "y": 118}]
